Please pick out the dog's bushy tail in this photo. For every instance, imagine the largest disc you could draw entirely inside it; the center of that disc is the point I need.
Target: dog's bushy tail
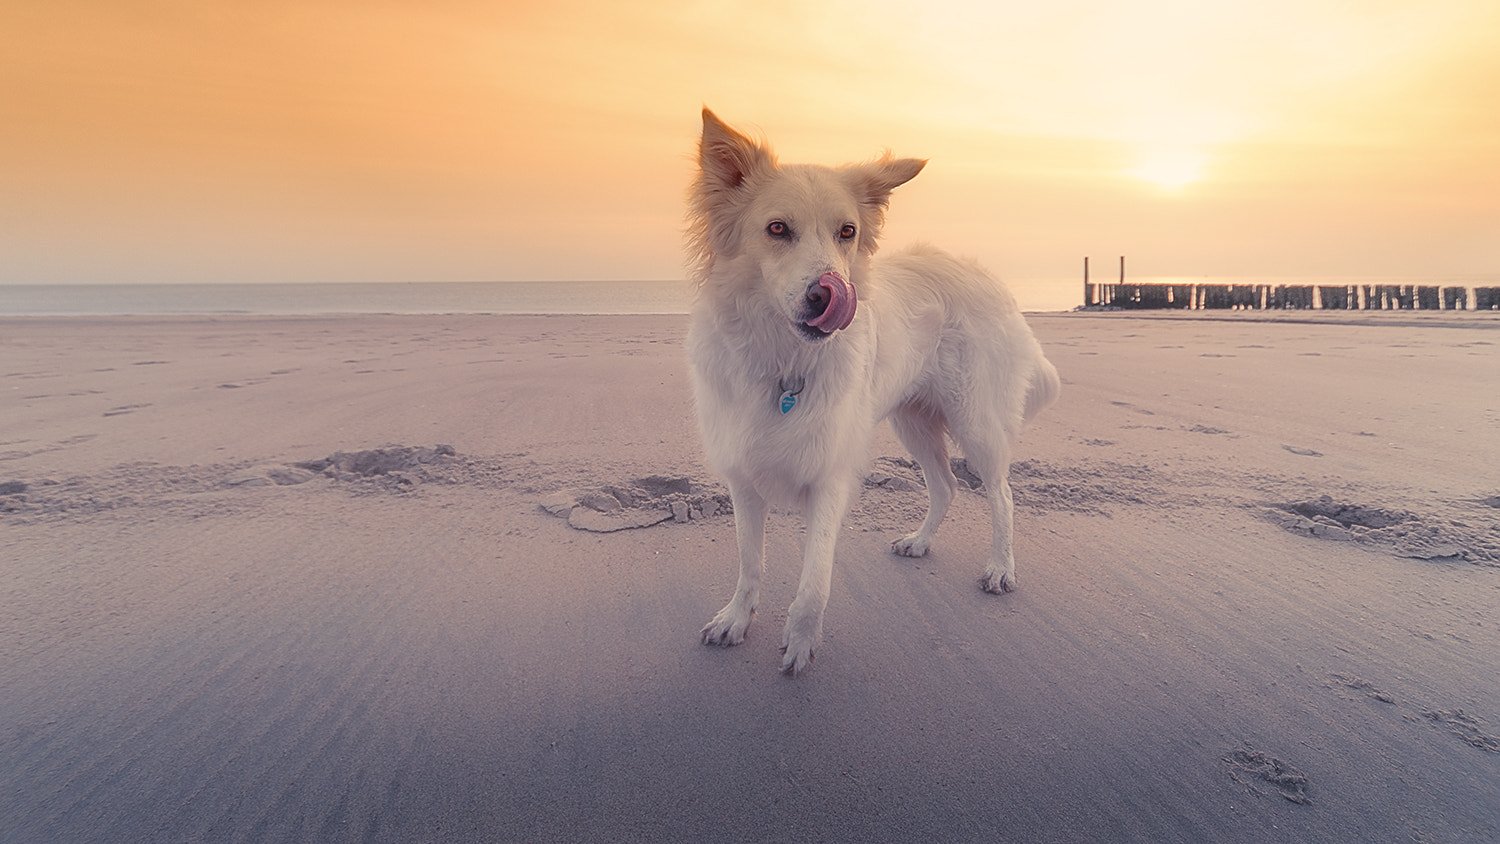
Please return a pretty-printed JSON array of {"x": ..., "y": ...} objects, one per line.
[{"x": 1045, "y": 386}]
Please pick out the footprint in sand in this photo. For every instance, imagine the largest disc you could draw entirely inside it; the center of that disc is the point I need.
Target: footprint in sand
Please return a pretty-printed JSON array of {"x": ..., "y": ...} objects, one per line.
[
  {"x": 249, "y": 382},
  {"x": 1360, "y": 684},
  {"x": 124, "y": 409},
  {"x": 1252, "y": 764},
  {"x": 1466, "y": 727}
]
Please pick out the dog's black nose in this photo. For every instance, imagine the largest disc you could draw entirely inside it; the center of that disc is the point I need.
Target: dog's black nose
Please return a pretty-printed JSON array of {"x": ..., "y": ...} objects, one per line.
[{"x": 818, "y": 298}]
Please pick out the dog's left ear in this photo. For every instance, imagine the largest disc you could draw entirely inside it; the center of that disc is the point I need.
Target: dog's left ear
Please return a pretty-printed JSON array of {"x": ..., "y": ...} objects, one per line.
[
  {"x": 876, "y": 180},
  {"x": 872, "y": 185}
]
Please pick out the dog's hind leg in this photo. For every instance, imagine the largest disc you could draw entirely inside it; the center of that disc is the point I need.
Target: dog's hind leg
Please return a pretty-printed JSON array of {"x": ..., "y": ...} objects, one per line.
[
  {"x": 921, "y": 428},
  {"x": 1000, "y": 574},
  {"x": 990, "y": 456},
  {"x": 826, "y": 506},
  {"x": 729, "y": 625}
]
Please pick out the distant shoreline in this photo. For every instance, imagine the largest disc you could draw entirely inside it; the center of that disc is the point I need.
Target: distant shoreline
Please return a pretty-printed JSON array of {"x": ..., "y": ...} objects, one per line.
[
  {"x": 1389, "y": 319},
  {"x": 1035, "y": 295}
]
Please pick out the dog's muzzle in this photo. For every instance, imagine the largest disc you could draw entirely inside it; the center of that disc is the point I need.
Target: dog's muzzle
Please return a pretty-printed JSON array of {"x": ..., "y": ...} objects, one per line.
[{"x": 833, "y": 300}]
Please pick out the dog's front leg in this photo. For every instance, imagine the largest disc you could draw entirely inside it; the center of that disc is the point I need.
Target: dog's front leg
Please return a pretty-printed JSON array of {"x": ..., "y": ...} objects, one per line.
[
  {"x": 804, "y": 623},
  {"x": 728, "y": 627}
]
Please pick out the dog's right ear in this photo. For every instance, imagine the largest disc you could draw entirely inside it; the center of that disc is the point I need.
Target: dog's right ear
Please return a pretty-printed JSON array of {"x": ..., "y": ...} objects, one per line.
[{"x": 727, "y": 158}]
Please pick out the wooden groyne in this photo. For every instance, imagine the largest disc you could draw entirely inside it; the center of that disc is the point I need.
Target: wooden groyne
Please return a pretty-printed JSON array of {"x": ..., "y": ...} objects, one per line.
[{"x": 1370, "y": 297}]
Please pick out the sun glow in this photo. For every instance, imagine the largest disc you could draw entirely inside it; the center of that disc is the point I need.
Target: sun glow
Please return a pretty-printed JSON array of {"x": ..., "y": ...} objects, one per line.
[
  {"x": 1170, "y": 168},
  {"x": 455, "y": 141}
]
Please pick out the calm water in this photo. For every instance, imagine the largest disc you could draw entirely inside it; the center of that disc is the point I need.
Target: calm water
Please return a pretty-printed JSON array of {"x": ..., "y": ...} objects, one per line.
[{"x": 518, "y": 297}]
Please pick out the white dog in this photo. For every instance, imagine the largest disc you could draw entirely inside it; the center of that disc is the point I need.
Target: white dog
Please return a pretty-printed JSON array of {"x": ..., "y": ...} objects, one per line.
[{"x": 801, "y": 343}]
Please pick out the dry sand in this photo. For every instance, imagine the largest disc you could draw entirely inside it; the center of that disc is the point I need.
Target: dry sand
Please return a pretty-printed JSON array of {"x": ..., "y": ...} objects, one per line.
[{"x": 245, "y": 595}]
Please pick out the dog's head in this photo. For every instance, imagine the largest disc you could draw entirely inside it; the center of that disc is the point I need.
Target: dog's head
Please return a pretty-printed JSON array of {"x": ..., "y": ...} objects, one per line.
[{"x": 793, "y": 238}]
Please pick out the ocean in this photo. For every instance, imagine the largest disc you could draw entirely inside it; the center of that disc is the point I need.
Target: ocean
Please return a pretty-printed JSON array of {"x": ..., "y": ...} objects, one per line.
[{"x": 501, "y": 297}]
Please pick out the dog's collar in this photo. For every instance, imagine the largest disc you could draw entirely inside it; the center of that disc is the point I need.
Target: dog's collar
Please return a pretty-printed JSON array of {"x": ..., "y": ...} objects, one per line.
[{"x": 790, "y": 387}]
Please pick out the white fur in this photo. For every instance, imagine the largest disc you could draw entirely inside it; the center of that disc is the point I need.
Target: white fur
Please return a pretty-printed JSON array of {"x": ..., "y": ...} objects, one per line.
[{"x": 937, "y": 345}]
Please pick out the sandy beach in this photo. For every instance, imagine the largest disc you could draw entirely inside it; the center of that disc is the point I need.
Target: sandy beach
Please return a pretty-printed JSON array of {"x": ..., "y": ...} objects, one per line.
[{"x": 369, "y": 578}]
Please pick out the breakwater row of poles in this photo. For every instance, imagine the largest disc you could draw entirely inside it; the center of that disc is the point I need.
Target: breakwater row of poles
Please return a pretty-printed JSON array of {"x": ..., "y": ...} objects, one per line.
[{"x": 1371, "y": 297}]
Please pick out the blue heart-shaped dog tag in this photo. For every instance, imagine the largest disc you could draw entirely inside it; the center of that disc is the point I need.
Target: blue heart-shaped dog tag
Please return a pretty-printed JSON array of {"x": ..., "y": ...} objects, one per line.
[{"x": 790, "y": 387}]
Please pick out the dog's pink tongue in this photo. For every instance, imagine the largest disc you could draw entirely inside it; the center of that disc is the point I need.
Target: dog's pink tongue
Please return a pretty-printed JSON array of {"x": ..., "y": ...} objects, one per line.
[{"x": 841, "y": 303}]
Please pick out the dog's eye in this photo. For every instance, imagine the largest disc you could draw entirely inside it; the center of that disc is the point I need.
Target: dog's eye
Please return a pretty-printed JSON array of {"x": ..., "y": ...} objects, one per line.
[
  {"x": 847, "y": 232},
  {"x": 778, "y": 229}
]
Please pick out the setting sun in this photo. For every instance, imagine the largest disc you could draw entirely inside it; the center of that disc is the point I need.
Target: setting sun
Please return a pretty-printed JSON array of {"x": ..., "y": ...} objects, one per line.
[{"x": 1172, "y": 169}]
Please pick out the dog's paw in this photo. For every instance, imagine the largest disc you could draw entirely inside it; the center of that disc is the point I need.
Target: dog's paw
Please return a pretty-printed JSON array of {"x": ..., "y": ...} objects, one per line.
[
  {"x": 795, "y": 660},
  {"x": 797, "y": 643},
  {"x": 998, "y": 581},
  {"x": 728, "y": 627},
  {"x": 912, "y": 545}
]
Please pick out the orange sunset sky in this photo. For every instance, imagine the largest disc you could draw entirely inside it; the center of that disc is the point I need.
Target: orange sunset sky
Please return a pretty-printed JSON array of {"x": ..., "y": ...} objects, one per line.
[{"x": 371, "y": 140}]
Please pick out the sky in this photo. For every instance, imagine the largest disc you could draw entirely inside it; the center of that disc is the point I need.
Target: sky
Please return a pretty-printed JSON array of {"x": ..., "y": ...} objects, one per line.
[{"x": 375, "y": 140}]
